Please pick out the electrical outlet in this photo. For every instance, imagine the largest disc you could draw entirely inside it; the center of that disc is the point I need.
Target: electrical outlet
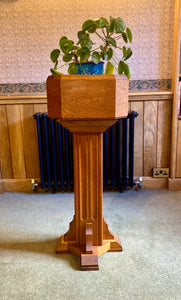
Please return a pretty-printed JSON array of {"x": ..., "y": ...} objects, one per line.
[{"x": 160, "y": 172}]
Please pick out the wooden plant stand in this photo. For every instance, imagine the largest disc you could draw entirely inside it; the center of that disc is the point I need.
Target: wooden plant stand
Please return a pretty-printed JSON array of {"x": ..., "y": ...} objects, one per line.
[{"x": 87, "y": 105}]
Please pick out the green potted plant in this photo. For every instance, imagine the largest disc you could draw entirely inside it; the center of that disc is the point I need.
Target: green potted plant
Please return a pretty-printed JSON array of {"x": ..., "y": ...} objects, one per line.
[{"x": 113, "y": 37}]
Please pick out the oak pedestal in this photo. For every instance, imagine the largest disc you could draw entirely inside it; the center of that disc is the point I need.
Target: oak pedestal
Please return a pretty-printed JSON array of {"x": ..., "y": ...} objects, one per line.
[{"x": 87, "y": 105}]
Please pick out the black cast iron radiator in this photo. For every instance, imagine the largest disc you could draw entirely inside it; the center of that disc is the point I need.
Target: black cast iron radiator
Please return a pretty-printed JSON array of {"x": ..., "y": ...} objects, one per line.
[{"x": 56, "y": 154}]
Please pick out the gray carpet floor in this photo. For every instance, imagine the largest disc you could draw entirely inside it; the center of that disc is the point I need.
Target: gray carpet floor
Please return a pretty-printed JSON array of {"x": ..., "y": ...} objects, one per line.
[{"x": 149, "y": 268}]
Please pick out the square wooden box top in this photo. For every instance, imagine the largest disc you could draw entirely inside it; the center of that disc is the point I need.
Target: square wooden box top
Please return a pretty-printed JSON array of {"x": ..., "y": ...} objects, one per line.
[{"x": 87, "y": 96}]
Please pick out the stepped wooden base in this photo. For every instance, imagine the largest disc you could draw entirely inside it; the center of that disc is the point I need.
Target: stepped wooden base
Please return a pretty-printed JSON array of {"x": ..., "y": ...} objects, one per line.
[{"x": 89, "y": 253}]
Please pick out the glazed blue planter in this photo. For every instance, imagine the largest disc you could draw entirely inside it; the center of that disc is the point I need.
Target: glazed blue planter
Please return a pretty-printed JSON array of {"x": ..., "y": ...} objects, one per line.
[{"x": 90, "y": 68}]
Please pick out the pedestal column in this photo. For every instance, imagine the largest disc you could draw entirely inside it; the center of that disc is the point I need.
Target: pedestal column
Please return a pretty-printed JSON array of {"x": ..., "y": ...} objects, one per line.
[
  {"x": 87, "y": 149},
  {"x": 88, "y": 236}
]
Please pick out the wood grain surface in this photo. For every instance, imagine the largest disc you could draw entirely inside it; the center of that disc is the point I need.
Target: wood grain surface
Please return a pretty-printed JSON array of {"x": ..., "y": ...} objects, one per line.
[
  {"x": 174, "y": 184},
  {"x": 87, "y": 96},
  {"x": 87, "y": 125},
  {"x": 31, "y": 154},
  {"x": 5, "y": 152},
  {"x": 138, "y": 138},
  {"x": 163, "y": 134},
  {"x": 150, "y": 137},
  {"x": 16, "y": 141},
  {"x": 40, "y": 107}
]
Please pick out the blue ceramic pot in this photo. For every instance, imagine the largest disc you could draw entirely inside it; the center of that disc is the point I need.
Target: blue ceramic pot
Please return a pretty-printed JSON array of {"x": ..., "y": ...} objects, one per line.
[{"x": 90, "y": 68}]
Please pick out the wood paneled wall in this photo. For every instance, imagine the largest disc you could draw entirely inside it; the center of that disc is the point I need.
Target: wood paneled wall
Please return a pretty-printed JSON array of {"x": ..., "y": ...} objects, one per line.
[
  {"x": 19, "y": 157},
  {"x": 152, "y": 131}
]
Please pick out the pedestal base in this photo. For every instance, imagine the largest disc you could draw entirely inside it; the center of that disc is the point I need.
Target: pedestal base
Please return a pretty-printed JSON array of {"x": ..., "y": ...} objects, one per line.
[{"x": 89, "y": 253}]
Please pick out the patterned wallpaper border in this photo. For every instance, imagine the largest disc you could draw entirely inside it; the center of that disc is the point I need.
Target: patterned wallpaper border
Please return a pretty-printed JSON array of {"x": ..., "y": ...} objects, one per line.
[{"x": 17, "y": 89}]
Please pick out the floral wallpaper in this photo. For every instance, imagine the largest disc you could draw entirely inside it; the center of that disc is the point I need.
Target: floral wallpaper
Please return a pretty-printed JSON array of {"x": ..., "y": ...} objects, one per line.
[{"x": 31, "y": 29}]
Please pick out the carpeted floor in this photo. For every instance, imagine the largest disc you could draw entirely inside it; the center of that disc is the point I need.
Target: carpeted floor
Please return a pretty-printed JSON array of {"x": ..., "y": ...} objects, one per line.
[{"x": 149, "y": 268}]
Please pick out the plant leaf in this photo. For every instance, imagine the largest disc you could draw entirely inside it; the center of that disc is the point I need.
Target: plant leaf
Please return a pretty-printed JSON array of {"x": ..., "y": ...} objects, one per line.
[
  {"x": 67, "y": 57},
  {"x": 84, "y": 39},
  {"x": 124, "y": 50},
  {"x": 124, "y": 35},
  {"x": 109, "y": 53},
  {"x": 55, "y": 72},
  {"x": 96, "y": 57},
  {"x": 127, "y": 54},
  {"x": 62, "y": 39},
  {"x": 103, "y": 53},
  {"x": 102, "y": 22},
  {"x": 121, "y": 67},
  {"x": 111, "y": 41},
  {"x": 102, "y": 48},
  {"x": 127, "y": 71},
  {"x": 86, "y": 43},
  {"x": 73, "y": 69},
  {"x": 84, "y": 53},
  {"x": 66, "y": 46},
  {"x": 82, "y": 35},
  {"x": 119, "y": 25},
  {"x": 112, "y": 24},
  {"x": 89, "y": 25},
  {"x": 109, "y": 68},
  {"x": 129, "y": 34},
  {"x": 55, "y": 55},
  {"x": 96, "y": 21}
]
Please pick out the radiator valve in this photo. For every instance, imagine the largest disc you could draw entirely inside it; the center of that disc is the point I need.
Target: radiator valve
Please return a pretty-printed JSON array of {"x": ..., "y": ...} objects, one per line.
[
  {"x": 138, "y": 184},
  {"x": 34, "y": 185}
]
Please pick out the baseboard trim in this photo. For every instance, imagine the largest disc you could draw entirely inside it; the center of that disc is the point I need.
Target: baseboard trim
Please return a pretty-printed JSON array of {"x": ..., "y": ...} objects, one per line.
[
  {"x": 174, "y": 184},
  {"x": 25, "y": 185},
  {"x": 18, "y": 185},
  {"x": 154, "y": 183}
]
